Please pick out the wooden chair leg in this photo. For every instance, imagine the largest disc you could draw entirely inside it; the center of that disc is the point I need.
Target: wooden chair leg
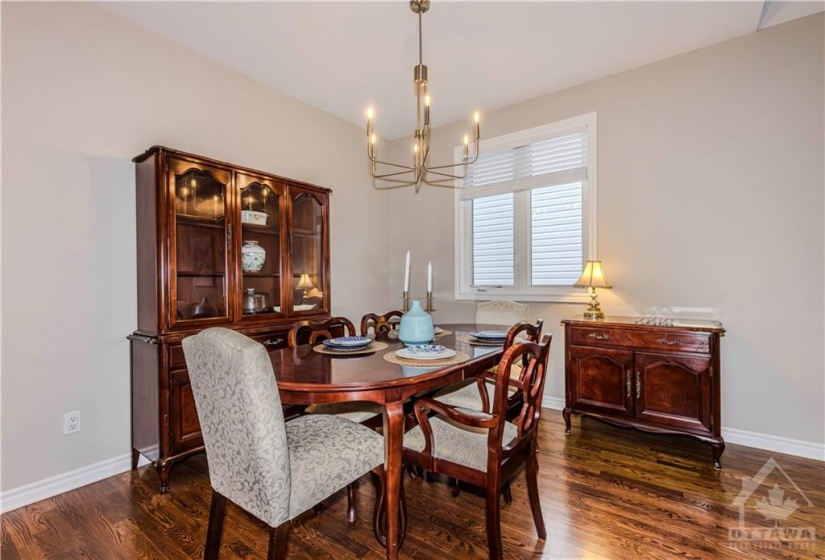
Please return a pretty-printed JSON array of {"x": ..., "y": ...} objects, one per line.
[
  {"x": 456, "y": 490},
  {"x": 494, "y": 523},
  {"x": 352, "y": 507},
  {"x": 533, "y": 493},
  {"x": 505, "y": 491},
  {"x": 215, "y": 528},
  {"x": 277, "y": 541},
  {"x": 377, "y": 529}
]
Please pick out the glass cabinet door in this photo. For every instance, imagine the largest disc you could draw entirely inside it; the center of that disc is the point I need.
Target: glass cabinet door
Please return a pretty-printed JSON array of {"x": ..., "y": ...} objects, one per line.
[
  {"x": 308, "y": 251},
  {"x": 199, "y": 283},
  {"x": 261, "y": 238}
]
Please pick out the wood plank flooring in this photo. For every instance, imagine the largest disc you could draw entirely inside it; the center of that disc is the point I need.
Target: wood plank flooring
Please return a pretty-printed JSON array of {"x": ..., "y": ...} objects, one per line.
[{"x": 606, "y": 492}]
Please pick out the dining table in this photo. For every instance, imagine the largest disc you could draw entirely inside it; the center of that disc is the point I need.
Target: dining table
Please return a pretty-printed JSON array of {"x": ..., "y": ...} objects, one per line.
[{"x": 307, "y": 376}]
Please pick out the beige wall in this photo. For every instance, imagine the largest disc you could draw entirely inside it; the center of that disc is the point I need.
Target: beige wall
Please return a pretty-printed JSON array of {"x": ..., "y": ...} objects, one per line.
[
  {"x": 710, "y": 186},
  {"x": 84, "y": 91}
]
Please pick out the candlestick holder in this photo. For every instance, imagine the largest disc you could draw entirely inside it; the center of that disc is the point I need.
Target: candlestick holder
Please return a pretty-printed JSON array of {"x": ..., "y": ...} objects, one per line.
[
  {"x": 429, "y": 306},
  {"x": 405, "y": 305}
]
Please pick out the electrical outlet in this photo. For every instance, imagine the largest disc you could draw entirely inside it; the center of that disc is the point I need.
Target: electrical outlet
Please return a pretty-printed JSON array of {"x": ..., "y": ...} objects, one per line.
[{"x": 71, "y": 422}]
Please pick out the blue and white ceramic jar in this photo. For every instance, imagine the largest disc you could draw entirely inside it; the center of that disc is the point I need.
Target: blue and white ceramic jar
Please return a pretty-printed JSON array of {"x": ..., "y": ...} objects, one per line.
[
  {"x": 416, "y": 326},
  {"x": 253, "y": 256}
]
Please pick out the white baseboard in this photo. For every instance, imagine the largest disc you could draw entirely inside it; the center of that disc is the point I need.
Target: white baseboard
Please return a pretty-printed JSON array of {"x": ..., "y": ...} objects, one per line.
[
  {"x": 768, "y": 442},
  {"x": 797, "y": 447},
  {"x": 49, "y": 487},
  {"x": 36, "y": 491}
]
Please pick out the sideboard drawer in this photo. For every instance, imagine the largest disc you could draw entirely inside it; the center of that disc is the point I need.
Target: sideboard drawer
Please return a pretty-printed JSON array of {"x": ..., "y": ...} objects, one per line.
[{"x": 678, "y": 342}]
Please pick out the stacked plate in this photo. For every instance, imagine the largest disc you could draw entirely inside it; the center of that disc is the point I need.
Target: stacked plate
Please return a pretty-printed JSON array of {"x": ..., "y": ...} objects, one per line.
[
  {"x": 348, "y": 343},
  {"x": 425, "y": 352},
  {"x": 489, "y": 337}
]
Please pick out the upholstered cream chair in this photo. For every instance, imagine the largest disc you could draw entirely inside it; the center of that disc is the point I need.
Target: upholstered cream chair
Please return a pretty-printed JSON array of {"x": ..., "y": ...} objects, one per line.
[
  {"x": 477, "y": 393},
  {"x": 484, "y": 449},
  {"x": 501, "y": 312},
  {"x": 273, "y": 469}
]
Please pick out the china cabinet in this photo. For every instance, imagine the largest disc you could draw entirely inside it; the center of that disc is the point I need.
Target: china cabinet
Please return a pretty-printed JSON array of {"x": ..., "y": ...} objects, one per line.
[
  {"x": 217, "y": 245},
  {"x": 656, "y": 378}
]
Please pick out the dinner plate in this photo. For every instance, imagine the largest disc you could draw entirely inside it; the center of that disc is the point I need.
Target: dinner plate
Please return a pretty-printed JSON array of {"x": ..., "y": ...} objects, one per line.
[
  {"x": 347, "y": 342},
  {"x": 489, "y": 335},
  {"x": 437, "y": 330},
  {"x": 425, "y": 352}
]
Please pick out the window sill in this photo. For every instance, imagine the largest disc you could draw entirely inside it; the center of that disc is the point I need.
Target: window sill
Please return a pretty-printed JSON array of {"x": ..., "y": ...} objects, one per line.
[{"x": 560, "y": 295}]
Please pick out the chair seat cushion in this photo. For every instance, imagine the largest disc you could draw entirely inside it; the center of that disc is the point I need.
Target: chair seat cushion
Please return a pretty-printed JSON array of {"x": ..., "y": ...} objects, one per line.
[
  {"x": 326, "y": 453},
  {"x": 456, "y": 442},
  {"x": 465, "y": 394},
  {"x": 356, "y": 411}
]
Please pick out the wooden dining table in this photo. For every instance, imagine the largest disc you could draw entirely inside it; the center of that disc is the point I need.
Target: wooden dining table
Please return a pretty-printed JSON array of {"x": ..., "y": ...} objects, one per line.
[{"x": 306, "y": 376}]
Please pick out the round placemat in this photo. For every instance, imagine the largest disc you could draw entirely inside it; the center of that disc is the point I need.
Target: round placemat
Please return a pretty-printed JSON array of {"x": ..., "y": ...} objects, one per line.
[
  {"x": 374, "y": 347},
  {"x": 460, "y": 357},
  {"x": 467, "y": 339}
]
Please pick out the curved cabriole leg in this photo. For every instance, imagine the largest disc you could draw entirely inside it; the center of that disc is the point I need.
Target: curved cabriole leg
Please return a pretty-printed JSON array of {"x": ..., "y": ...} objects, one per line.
[
  {"x": 163, "y": 472},
  {"x": 215, "y": 528},
  {"x": 456, "y": 490},
  {"x": 533, "y": 494},
  {"x": 566, "y": 415},
  {"x": 379, "y": 517},
  {"x": 378, "y": 510},
  {"x": 718, "y": 448},
  {"x": 277, "y": 541},
  {"x": 352, "y": 508}
]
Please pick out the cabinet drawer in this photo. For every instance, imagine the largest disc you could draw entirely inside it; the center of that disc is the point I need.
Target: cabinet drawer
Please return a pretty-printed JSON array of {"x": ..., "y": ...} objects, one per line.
[
  {"x": 656, "y": 340},
  {"x": 271, "y": 341}
]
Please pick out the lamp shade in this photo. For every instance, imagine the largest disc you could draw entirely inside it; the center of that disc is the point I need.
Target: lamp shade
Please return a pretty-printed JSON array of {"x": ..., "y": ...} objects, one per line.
[
  {"x": 305, "y": 283},
  {"x": 592, "y": 276}
]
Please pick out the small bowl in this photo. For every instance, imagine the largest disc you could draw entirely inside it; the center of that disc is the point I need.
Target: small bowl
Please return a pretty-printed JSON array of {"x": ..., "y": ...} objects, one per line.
[{"x": 253, "y": 217}]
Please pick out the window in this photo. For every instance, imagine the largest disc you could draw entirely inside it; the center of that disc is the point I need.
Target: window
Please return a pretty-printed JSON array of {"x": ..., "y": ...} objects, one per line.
[{"x": 526, "y": 219}]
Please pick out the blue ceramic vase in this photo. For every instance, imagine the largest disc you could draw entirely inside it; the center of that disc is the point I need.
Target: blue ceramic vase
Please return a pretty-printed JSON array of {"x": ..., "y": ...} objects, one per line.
[{"x": 416, "y": 326}]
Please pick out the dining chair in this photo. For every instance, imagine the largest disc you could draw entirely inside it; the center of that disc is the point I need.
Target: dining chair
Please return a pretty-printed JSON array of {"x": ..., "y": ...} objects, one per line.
[
  {"x": 501, "y": 312},
  {"x": 378, "y": 323},
  {"x": 312, "y": 332},
  {"x": 484, "y": 449},
  {"x": 477, "y": 393},
  {"x": 272, "y": 469}
]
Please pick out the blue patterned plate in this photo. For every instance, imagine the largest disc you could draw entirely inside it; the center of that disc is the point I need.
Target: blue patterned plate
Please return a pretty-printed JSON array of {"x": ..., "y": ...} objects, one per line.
[
  {"x": 347, "y": 342},
  {"x": 489, "y": 336},
  {"x": 425, "y": 352}
]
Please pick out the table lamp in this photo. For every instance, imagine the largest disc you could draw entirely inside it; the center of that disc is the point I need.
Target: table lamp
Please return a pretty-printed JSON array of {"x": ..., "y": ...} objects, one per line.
[
  {"x": 593, "y": 277},
  {"x": 305, "y": 284}
]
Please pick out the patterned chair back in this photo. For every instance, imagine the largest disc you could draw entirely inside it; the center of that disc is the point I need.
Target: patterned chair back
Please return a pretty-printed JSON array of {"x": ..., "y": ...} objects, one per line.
[
  {"x": 242, "y": 421},
  {"x": 501, "y": 312}
]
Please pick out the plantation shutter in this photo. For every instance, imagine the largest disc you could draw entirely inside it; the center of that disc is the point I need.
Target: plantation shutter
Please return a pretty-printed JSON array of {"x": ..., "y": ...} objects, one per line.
[{"x": 554, "y": 170}]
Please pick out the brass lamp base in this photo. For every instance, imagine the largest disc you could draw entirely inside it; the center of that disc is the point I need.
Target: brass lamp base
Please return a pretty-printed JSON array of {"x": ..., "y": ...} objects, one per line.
[{"x": 593, "y": 310}]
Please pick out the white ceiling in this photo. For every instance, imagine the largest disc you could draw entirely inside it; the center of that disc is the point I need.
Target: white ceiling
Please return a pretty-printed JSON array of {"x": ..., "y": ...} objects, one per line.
[{"x": 345, "y": 56}]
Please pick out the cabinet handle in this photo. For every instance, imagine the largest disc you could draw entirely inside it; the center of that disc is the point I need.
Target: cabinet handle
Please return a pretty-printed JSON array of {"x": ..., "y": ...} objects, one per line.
[
  {"x": 229, "y": 235},
  {"x": 629, "y": 383},
  {"x": 599, "y": 336},
  {"x": 274, "y": 342},
  {"x": 638, "y": 385},
  {"x": 663, "y": 340},
  {"x": 290, "y": 243}
]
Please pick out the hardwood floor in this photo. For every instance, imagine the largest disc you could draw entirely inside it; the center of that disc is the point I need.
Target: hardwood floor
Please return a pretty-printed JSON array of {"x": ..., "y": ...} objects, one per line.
[{"x": 606, "y": 492}]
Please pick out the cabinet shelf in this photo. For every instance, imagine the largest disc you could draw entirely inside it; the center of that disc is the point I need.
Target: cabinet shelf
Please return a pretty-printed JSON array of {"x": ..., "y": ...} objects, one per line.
[
  {"x": 188, "y": 274},
  {"x": 200, "y": 221},
  {"x": 260, "y": 230}
]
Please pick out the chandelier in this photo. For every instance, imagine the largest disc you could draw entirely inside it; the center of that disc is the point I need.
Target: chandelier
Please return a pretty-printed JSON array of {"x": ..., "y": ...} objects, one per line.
[{"x": 420, "y": 171}]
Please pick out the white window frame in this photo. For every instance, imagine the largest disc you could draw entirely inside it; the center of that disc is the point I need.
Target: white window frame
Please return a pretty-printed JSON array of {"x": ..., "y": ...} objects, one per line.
[{"x": 522, "y": 290}]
